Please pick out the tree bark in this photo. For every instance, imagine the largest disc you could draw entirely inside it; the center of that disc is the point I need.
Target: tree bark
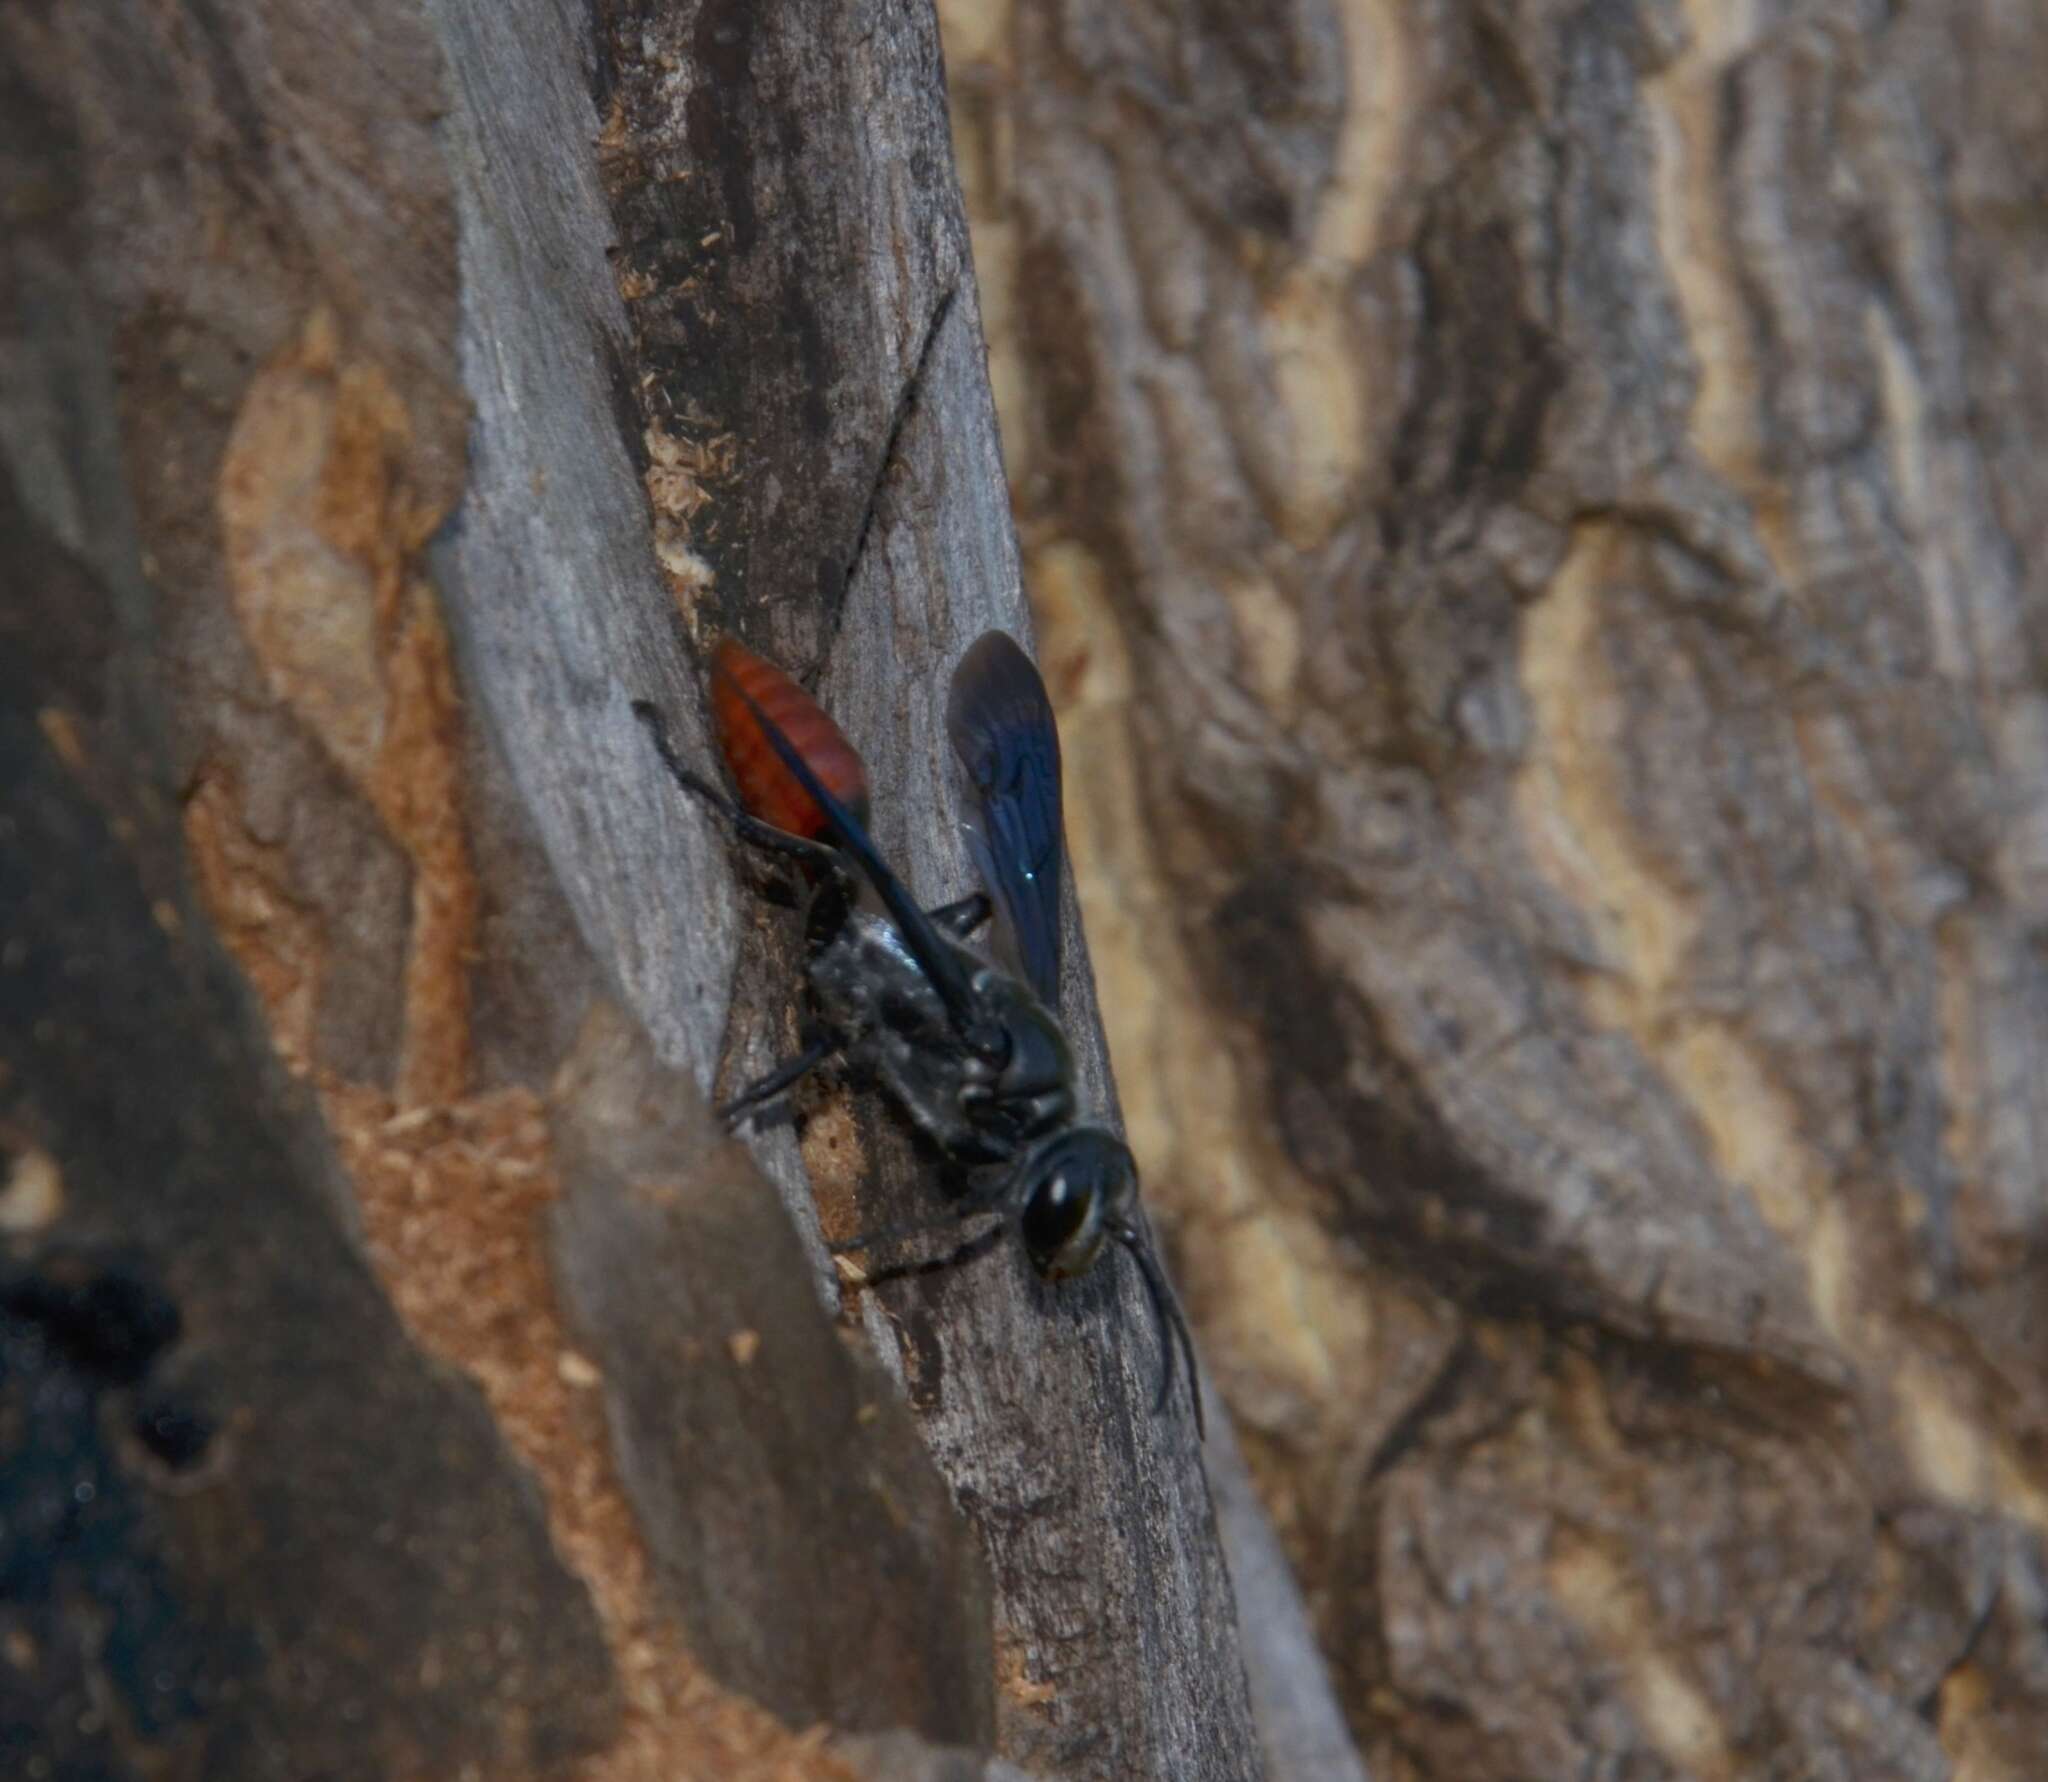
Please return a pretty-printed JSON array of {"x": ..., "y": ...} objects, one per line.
[
  {"x": 1539, "y": 497},
  {"x": 395, "y": 394}
]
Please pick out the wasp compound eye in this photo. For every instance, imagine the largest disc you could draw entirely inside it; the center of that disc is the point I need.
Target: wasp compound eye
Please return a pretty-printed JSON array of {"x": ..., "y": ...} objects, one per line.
[
  {"x": 1062, "y": 1226},
  {"x": 1080, "y": 1184}
]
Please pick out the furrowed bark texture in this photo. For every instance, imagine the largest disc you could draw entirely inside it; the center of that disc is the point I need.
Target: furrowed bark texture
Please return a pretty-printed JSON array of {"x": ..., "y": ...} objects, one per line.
[
  {"x": 400, "y": 1372},
  {"x": 1537, "y": 514}
]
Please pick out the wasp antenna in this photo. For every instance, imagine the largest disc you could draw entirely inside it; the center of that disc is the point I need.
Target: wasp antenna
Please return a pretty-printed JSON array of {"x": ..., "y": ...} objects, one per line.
[{"x": 1172, "y": 1326}]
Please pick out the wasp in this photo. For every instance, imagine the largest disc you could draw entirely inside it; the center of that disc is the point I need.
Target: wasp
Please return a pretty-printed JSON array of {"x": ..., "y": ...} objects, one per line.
[{"x": 971, "y": 1051}]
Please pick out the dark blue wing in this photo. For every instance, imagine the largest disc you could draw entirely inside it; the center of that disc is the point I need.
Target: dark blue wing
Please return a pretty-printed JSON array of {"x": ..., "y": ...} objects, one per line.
[{"x": 1002, "y": 729}]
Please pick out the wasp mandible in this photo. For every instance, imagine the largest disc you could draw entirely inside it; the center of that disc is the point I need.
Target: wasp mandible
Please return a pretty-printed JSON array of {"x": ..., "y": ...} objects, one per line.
[{"x": 973, "y": 1053}]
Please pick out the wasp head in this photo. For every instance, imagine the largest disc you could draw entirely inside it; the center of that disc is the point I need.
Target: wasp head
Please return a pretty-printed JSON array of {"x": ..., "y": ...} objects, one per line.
[
  {"x": 1080, "y": 1193},
  {"x": 1082, "y": 1187}
]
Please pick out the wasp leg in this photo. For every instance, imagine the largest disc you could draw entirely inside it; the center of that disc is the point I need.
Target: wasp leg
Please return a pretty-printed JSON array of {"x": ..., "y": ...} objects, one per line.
[
  {"x": 783, "y": 1076},
  {"x": 961, "y": 1252},
  {"x": 748, "y": 827},
  {"x": 998, "y": 1196},
  {"x": 961, "y": 919}
]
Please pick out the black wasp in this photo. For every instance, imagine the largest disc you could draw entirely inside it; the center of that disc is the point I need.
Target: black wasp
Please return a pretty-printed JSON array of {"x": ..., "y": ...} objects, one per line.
[{"x": 973, "y": 1053}]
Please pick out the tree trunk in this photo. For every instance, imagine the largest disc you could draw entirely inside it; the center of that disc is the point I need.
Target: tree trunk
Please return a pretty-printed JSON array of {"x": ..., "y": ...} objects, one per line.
[
  {"x": 395, "y": 393},
  {"x": 1529, "y": 515}
]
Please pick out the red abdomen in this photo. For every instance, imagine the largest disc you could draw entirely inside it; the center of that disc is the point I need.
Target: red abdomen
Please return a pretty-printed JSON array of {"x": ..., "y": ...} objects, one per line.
[{"x": 766, "y": 787}]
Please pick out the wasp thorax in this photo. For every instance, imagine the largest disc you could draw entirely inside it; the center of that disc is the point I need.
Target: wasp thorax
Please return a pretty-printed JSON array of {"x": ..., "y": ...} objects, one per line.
[
  {"x": 1082, "y": 1187},
  {"x": 1024, "y": 1068}
]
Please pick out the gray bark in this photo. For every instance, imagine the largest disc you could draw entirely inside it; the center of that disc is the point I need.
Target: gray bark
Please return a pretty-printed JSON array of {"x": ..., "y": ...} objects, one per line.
[
  {"x": 789, "y": 221},
  {"x": 246, "y": 1527}
]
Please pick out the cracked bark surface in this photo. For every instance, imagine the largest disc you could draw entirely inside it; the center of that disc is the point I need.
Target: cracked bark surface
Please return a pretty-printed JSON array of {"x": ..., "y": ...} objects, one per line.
[{"x": 1544, "y": 502}]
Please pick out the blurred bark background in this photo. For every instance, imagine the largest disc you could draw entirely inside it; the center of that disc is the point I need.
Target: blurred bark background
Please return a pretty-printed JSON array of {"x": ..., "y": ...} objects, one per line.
[
  {"x": 1531, "y": 514},
  {"x": 1536, "y": 516}
]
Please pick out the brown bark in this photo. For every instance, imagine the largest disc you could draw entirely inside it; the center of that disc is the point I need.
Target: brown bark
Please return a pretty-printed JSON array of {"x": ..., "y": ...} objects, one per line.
[{"x": 1535, "y": 514}]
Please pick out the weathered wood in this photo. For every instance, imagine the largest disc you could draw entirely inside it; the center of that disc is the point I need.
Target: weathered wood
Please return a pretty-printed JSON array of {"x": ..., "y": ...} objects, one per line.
[
  {"x": 804, "y": 317},
  {"x": 237, "y": 405},
  {"x": 1548, "y": 498},
  {"x": 247, "y": 1529},
  {"x": 318, "y": 332},
  {"x": 808, "y": 1544},
  {"x": 1302, "y": 1733}
]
